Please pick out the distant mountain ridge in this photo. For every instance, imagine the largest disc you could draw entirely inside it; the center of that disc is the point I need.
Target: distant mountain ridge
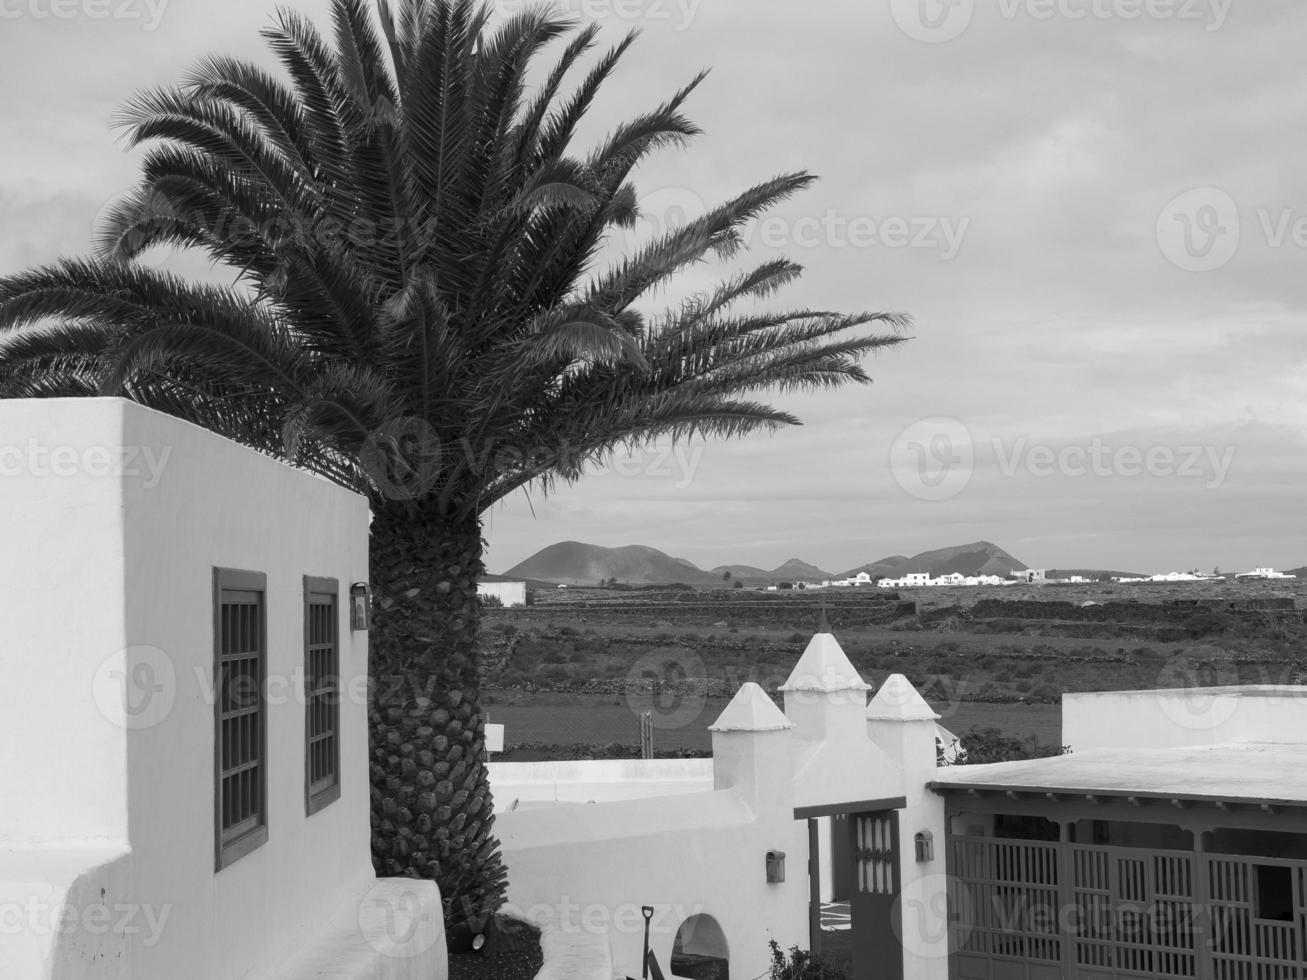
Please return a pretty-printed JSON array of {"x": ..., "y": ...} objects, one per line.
[
  {"x": 577, "y": 563},
  {"x": 977, "y": 558},
  {"x": 793, "y": 570}
]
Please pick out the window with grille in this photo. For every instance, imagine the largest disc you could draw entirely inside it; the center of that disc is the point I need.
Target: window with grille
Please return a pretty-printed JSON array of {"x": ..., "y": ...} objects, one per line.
[
  {"x": 241, "y": 736},
  {"x": 321, "y": 693}
]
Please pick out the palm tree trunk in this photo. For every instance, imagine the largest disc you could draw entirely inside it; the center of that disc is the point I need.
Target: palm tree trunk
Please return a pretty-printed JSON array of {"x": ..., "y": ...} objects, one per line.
[{"x": 431, "y": 806}]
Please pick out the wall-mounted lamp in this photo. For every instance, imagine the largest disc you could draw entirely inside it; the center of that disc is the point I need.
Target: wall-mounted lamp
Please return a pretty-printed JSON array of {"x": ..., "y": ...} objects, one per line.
[
  {"x": 775, "y": 867},
  {"x": 360, "y": 606},
  {"x": 925, "y": 845}
]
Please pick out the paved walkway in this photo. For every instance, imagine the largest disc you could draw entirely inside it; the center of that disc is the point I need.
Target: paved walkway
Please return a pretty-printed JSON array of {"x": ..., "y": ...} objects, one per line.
[
  {"x": 574, "y": 954},
  {"x": 835, "y": 916}
]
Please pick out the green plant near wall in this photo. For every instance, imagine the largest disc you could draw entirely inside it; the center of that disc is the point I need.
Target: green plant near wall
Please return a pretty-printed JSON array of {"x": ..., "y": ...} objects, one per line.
[{"x": 800, "y": 964}]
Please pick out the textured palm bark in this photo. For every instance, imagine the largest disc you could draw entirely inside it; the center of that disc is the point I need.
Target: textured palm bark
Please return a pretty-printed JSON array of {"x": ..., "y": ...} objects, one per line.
[{"x": 432, "y": 813}]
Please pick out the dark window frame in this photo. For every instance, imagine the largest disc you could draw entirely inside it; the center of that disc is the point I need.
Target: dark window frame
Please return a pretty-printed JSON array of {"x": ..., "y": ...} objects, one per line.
[
  {"x": 230, "y": 847},
  {"x": 320, "y": 794}
]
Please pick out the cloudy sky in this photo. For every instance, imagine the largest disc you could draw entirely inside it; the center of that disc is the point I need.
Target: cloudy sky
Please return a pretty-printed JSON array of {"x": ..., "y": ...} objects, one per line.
[{"x": 1095, "y": 210}]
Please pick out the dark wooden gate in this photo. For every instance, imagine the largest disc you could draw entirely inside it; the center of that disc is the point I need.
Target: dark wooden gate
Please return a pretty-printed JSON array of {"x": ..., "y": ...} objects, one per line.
[
  {"x": 841, "y": 860},
  {"x": 877, "y": 949}
]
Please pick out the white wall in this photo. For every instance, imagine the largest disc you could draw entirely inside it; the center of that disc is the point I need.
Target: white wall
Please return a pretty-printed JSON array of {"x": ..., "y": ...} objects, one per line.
[
  {"x": 62, "y": 612},
  {"x": 110, "y": 610},
  {"x": 511, "y": 594},
  {"x": 599, "y": 780},
  {"x": 593, "y": 866},
  {"x": 221, "y": 505},
  {"x": 1184, "y": 717}
]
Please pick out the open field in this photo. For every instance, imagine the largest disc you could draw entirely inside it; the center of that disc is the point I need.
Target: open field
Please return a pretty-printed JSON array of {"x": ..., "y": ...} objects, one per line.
[
  {"x": 590, "y": 720},
  {"x": 580, "y": 672}
]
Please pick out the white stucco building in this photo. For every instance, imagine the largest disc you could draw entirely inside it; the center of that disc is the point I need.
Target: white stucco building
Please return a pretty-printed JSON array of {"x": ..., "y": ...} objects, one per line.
[
  {"x": 183, "y": 730},
  {"x": 1171, "y": 841},
  {"x": 719, "y": 848},
  {"x": 510, "y": 592}
]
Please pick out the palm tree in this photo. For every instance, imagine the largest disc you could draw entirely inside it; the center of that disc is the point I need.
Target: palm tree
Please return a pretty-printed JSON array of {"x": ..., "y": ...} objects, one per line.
[{"x": 414, "y": 311}]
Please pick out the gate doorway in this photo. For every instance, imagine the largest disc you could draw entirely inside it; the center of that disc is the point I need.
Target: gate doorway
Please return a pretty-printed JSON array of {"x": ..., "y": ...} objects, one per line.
[
  {"x": 877, "y": 951},
  {"x": 865, "y": 856}
]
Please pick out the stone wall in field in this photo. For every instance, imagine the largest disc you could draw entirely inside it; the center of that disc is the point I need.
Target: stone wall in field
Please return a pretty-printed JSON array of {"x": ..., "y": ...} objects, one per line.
[
  {"x": 1172, "y": 620},
  {"x": 787, "y": 613}
]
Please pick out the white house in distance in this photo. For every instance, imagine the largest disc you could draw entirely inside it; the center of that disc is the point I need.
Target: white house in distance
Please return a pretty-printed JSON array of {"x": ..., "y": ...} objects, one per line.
[
  {"x": 916, "y": 580},
  {"x": 183, "y": 717},
  {"x": 510, "y": 592},
  {"x": 1264, "y": 573}
]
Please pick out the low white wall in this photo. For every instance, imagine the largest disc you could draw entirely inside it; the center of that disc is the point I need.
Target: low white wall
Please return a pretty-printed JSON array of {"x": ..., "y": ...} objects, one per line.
[
  {"x": 511, "y": 594},
  {"x": 595, "y": 781},
  {"x": 592, "y": 867},
  {"x": 52, "y": 911},
  {"x": 1184, "y": 717}
]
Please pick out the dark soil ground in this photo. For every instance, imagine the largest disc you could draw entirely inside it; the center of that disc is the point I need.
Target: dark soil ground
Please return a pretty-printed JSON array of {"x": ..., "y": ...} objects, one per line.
[{"x": 512, "y": 952}]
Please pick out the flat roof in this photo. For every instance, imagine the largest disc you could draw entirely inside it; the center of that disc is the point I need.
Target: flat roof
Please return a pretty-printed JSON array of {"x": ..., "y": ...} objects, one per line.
[
  {"x": 1264, "y": 773},
  {"x": 1234, "y": 690}
]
